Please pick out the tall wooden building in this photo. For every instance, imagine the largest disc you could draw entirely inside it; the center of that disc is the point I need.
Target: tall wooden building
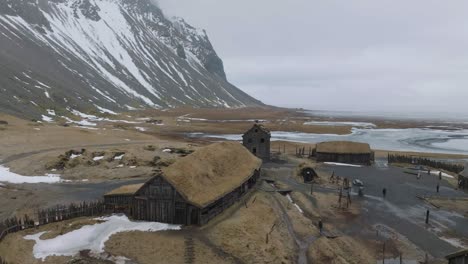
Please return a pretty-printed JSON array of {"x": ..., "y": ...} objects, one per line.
[
  {"x": 257, "y": 140},
  {"x": 194, "y": 189},
  {"x": 344, "y": 152}
]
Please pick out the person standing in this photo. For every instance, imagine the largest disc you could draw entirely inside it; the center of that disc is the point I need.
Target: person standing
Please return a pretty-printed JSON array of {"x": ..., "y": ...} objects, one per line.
[
  {"x": 320, "y": 224},
  {"x": 440, "y": 175},
  {"x": 384, "y": 192},
  {"x": 438, "y": 187}
]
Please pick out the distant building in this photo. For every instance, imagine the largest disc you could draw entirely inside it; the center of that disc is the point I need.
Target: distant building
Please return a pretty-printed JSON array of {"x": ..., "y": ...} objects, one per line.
[
  {"x": 257, "y": 140},
  {"x": 463, "y": 180},
  {"x": 344, "y": 152},
  {"x": 194, "y": 189},
  {"x": 460, "y": 257}
]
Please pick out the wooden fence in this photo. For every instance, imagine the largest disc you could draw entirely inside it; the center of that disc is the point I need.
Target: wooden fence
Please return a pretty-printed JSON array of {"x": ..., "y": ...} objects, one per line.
[
  {"x": 51, "y": 215},
  {"x": 3, "y": 261},
  {"x": 451, "y": 167}
]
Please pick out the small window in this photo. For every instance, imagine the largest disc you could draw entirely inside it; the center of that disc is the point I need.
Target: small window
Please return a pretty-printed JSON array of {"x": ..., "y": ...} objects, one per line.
[
  {"x": 256, "y": 130},
  {"x": 262, "y": 140},
  {"x": 254, "y": 151}
]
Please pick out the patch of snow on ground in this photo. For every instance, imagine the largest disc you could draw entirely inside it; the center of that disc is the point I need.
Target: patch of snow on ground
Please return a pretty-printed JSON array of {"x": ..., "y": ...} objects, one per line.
[
  {"x": 454, "y": 242},
  {"x": 119, "y": 157},
  {"x": 104, "y": 110},
  {"x": 297, "y": 206},
  {"x": 343, "y": 164},
  {"x": 98, "y": 158},
  {"x": 51, "y": 112},
  {"x": 7, "y": 176},
  {"x": 47, "y": 119},
  {"x": 142, "y": 129},
  {"x": 73, "y": 156},
  {"x": 443, "y": 174},
  {"x": 167, "y": 150},
  {"x": 91, "y": 237}
]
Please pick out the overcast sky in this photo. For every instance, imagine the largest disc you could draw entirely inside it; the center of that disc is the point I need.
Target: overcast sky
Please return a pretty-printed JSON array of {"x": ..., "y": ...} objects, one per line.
[{"x": 345, "y": 55}]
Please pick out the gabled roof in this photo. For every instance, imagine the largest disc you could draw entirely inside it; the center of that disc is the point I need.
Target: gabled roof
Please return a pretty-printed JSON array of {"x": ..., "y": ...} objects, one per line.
[
  {"x": 258, "y": 127},
  {"x": 125, "y": 190},
  {"x": 457, "y": 254},
  {"x": 343, "y": 147},
  {"x": 211, "y": 172}
]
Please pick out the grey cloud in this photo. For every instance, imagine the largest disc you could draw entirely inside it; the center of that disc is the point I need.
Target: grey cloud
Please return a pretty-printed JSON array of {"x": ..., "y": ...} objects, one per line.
[{"x": 357, "y": 55}]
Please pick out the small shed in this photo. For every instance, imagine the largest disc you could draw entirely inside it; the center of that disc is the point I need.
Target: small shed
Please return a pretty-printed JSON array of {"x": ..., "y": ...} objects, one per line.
[
  {"x": 308, "y": 174},
  {"x": 344, "y": 152},
  {"x": 463, "y": 180},
  {"x": 194, "y": 189},
  {"x": 460, "y": 257},
  {"x": 121, "y": 199},
  {"x": 257, "y": 140}
]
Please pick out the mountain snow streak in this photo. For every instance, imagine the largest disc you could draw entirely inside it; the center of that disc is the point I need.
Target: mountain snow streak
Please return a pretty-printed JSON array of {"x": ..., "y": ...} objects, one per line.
[{"x": 106, "y": 54}]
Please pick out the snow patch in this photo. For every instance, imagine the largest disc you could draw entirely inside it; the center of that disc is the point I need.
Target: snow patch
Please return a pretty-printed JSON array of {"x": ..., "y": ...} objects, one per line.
[
  {"x": 343, "y": 164},
  {"x": 297, "y": 206},
  {"x": 98, "y": 158},
  {"x": 51, "y": 112},
  {"x": 7, "y": 176},
  {"x": 91, "y": 237},
  {"x": 73, "y": 156},
  {"x": 119, "y": 157},
  {"x": 47, "y": 119}
]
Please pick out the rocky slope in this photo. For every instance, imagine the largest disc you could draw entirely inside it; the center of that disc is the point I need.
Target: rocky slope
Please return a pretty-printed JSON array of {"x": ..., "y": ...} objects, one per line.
[{"x": 105, "y": 56}]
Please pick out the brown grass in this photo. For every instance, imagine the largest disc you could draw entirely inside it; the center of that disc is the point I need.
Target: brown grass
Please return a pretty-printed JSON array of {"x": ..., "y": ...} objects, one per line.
[
  {"x": 343, "y": 147},
  {"x": 211, "y": 172}
]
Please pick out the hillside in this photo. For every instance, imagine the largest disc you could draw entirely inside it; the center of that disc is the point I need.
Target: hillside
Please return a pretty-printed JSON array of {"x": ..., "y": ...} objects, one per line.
[{"x": 105, "y": 56}]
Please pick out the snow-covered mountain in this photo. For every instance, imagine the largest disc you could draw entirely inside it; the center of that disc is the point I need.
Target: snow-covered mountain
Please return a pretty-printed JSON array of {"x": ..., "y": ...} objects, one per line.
[{"x": 89, "y": 55}]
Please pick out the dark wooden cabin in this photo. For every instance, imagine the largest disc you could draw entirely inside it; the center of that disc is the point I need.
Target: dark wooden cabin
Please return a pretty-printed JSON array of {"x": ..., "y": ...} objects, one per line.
[
  {"x": 460, "y": 257},
  {"x": 121, "y": 199},
  {"x": 344, "y": 152},
  {"x": 257, "y": 140},
  {"x": 196, "y": 188}
]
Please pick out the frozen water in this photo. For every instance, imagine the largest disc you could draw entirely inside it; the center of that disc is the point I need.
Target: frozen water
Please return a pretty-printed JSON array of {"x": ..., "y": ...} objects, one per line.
[
  {"x": 332, "y": 123},
  {"x": 412, "y": 139}
]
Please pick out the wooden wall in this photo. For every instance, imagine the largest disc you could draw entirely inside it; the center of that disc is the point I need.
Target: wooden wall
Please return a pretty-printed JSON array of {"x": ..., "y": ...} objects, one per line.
[
  {"x": 258, "y": 142},
  {"x": 159, "y": 201}
]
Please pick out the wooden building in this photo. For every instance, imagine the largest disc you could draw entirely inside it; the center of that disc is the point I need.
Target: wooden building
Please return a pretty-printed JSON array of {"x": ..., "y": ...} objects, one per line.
[
  {"x": 121, "y": 199},
  {"x": 463, "y": 180},
  {"x": 344, "y": 152},
  {"x": 194, "y": 189},
  {"x": 308, "y": 174},
  {"x": 257, "y": 140},
  {"x": 460, "y": 257}
]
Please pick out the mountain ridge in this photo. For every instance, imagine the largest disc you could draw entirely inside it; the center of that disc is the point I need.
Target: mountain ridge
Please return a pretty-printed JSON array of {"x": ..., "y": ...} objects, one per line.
[{"x": 90, "y": 55}]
